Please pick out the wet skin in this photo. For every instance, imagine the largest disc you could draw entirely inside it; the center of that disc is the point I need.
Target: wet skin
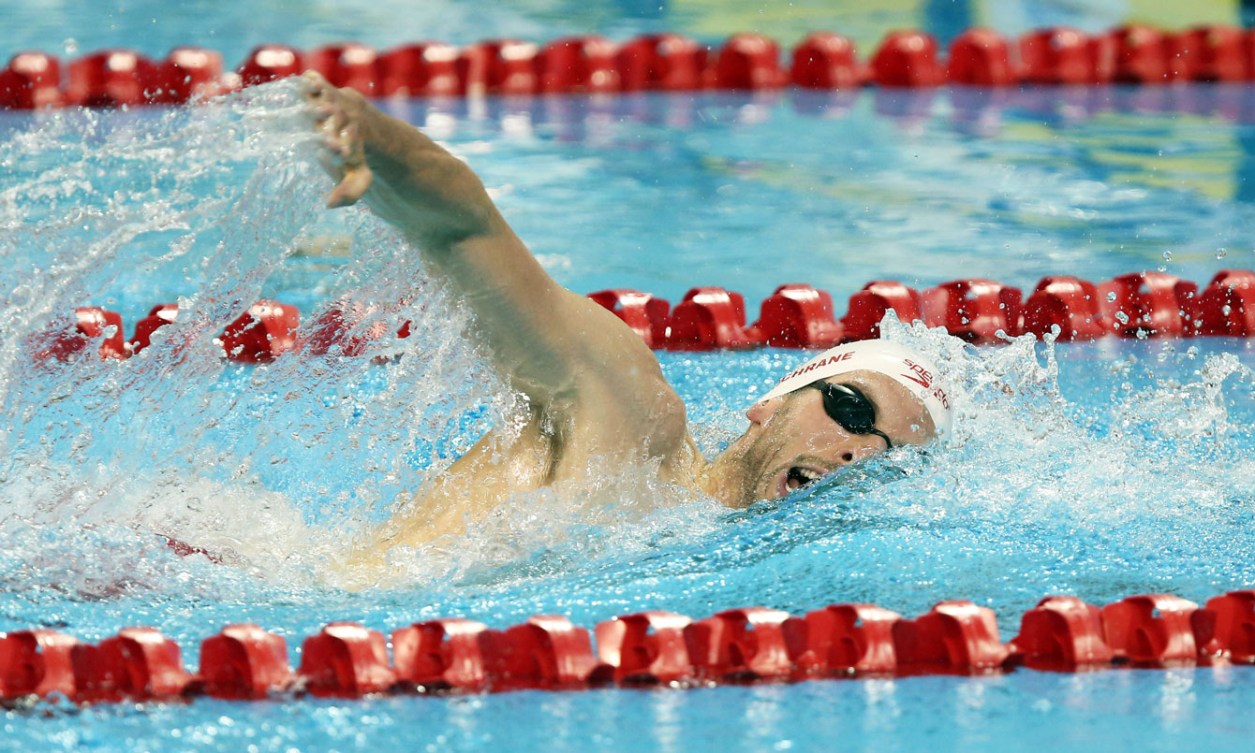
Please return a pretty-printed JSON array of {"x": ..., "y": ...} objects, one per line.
[
  {"x": 596, "y": 397},
  {"x": 791, "y": 441}
]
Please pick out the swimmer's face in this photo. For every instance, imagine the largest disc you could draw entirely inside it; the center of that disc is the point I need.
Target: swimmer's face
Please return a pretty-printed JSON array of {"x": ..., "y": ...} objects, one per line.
[{"x": 793, "y": 442}]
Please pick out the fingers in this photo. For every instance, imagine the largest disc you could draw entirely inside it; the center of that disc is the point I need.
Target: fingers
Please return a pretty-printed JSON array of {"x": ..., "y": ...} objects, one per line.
[
  {"x": 317, "y": 93},
  {"x": 351, "y": 188},
  {"x": 313, "y": 85},
  {"x": 344, "y": 150},
  {"x": 356, "y": 175}
]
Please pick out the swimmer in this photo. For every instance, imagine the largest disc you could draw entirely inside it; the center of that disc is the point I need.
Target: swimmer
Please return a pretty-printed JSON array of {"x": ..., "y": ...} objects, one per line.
[{"x": 596, "y": 397}]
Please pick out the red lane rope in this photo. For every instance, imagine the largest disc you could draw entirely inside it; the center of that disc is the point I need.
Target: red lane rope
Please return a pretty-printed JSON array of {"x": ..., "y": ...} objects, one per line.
[
  {"x": 1131, "y": 54},
  {"x": 1137, "y": 305},
  {"x": 753, "y": 644}
]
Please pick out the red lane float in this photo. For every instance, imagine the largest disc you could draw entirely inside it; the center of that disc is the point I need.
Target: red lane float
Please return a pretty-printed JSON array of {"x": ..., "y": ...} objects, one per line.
[
  {"x": 981, "y": 57},
  {"x": 270, "y": 62},
  {"x": 666, "y": 62},
  {"x": 349, "y": 65},
  {"x": 740, "y": 645},
  {"x": 1141, "y": 55},
  {"x": 577, "y": 65},
  {"x": 825, "y": 60},
  {"x": 1134, "y": 53},
  {"x": 849, "y": 639},
  {"x": 1208, "y": 53},
  {"x": 1151, "y": 630},
  {"x": 158, "y": 317},
  {"x": 646, "y": 648},
  {"x": 90, "y": 323},
  {"x": 547, "y": 652},
  {"x": 31, "y": 80},
  {"x": 138, "y": 664},
  {"x": 1227, "y": 305},
  {"x": 1149, "y": 304},
  {"x": 907, "y": 59},
  {"x": 707, "y": 318},
  {"x": 645, "y": 314},
  {"x": 345, "y": 660},
  {"x": 1057, "y": 55},
  {"x": 869, "y": 306},
  {"x": 441, "y": 655},
  {"x": 337, "y": 330},
  {"x": 1143, "y": 304},
  {"x": 426, "y": 69},
  {"x": 1103, "y": 58},
  {"x": 748, "y": 62},
  {"x": 955, "y": 637},
  {"x": 753, "y": 644},
  {"x": 36, "y": 662},
  {"x": 244, "y": 662},
  {"x": 1225, "y": 628},
  {"x": 261, "y": 334},
  {"x": 113, "y": 78},
  {"x": 1061, "y": 634},
  {"x": 1066, "y": 302},
  {"x": 189, "y": 73},
  {"x": 93, "y": 322},
  {"x": 498, "y": 66},
  {"x": 974, "y": 310},
  {"x": 797, "y": 316},
  {"x": 1248, "y": 37}
]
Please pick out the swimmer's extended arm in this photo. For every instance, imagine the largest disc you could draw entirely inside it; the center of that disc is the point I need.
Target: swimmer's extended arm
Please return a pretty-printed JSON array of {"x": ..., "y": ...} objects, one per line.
[{"x": 543, "y": 338}]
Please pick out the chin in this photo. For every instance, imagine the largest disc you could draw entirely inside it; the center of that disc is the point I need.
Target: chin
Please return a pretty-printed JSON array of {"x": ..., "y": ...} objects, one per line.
[
  {"x": 743, "y": 499},
  {"x": 764, "y": 491}
]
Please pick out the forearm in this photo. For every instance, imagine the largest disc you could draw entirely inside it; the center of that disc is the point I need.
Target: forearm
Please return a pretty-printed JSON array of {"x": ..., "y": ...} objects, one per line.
[
  {"x": 442, "y": 207},
  {"x": 540, "y": 336},
  {"x": 422, "y": 189}
]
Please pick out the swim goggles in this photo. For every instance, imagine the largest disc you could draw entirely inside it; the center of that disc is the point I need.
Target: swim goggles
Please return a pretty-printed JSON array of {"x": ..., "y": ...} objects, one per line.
[{"x": 850, "y": 408}]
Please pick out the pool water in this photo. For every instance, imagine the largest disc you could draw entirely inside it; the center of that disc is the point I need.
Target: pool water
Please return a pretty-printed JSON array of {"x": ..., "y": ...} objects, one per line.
[{"x": 1098, "y": 469}]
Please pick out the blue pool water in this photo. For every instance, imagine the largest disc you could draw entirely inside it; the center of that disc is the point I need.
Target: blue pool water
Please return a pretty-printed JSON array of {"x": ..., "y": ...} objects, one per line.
[{"x": 1112, "y": 468}]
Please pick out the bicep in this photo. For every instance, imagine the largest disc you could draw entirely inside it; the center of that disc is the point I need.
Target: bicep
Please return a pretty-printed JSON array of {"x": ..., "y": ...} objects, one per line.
[{"x": 544, "y": 339}]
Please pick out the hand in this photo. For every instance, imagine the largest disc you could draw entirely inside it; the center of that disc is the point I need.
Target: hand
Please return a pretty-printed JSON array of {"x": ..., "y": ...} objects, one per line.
[{"x": 337, "y": 114}]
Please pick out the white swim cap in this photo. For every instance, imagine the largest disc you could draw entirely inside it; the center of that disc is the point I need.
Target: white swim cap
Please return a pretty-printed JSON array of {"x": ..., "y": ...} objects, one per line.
[{"x": 909, "y": 369}]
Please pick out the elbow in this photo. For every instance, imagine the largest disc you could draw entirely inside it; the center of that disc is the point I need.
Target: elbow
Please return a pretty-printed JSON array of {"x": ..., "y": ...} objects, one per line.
[
  {"x": 461, "y": 225},
  {"x": 464, "y": 211}
]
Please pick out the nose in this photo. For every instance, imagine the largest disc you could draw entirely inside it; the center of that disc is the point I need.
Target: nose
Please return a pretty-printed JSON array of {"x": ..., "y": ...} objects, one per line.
[{"x": 758, "y": 413}]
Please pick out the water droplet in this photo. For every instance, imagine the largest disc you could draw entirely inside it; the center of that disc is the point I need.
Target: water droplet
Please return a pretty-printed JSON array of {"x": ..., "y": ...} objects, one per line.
[
  {"x": 1221, "y": 253},
  {"x": 71, "y": 45},
  {"x": 1122, "y": 317},
  {"x": 1167, "y": 256},
  {"x": 1111, "y": 297}
]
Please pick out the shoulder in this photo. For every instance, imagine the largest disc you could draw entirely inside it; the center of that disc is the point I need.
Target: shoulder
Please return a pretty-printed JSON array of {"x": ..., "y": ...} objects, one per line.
[
  {"x": 634, "y": 412},
  {"x": 616, "y": 397}
]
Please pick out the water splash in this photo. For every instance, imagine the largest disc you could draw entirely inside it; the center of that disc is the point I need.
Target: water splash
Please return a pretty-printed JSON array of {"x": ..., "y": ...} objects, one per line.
[
  {"x": 215, "y": 207},
  {"x": 1038, "y": 492},
  {"x": 1092, "y": 469}
]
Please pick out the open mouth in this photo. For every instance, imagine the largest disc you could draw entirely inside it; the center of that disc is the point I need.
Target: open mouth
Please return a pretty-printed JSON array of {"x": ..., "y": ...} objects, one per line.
[{"x": 796, "y": 477}]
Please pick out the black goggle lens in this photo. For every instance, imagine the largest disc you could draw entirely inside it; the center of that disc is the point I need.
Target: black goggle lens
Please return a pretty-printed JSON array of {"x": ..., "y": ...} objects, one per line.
[{"x": 850, "y": 408}]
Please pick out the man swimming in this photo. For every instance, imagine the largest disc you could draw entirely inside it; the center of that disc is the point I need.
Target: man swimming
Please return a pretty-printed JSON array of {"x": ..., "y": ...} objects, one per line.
[{"x": 595, "y": 395}]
